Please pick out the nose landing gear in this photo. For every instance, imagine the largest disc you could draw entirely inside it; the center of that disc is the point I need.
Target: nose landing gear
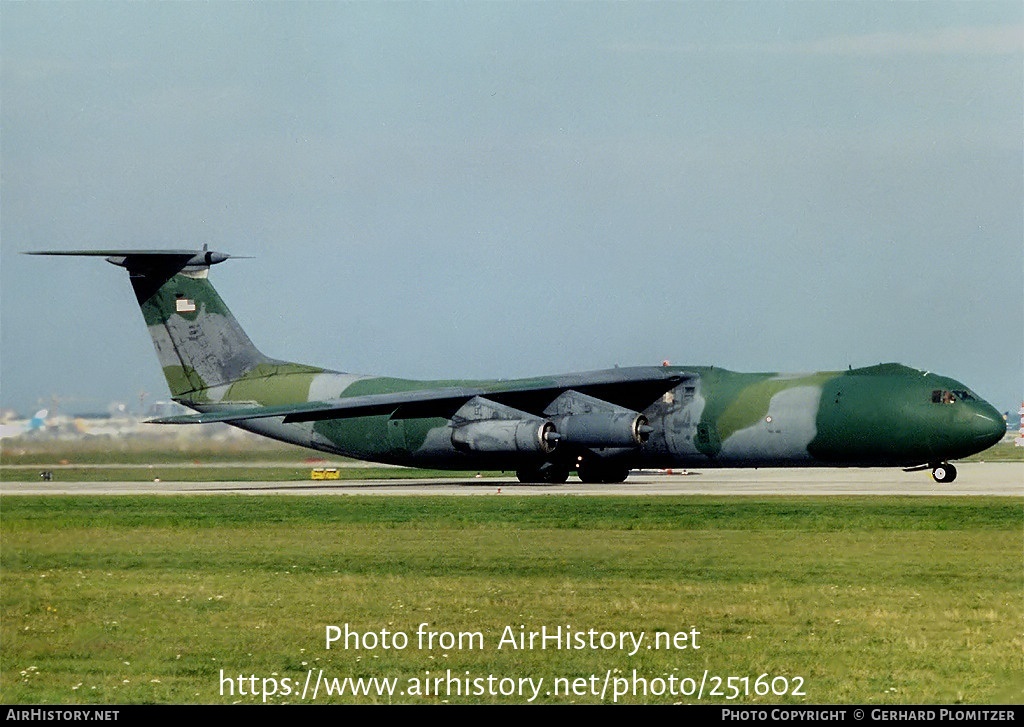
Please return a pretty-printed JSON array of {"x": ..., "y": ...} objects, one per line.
[{"x": 944, "y": 472}]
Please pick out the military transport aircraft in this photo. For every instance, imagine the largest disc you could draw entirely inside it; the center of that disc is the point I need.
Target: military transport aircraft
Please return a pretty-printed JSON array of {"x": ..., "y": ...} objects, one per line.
[{"x": 601, "y": 424}]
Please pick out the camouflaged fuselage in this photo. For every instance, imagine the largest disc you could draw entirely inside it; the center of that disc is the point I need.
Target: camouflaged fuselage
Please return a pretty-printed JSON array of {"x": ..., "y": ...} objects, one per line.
[{"x": 878, "y": 416}]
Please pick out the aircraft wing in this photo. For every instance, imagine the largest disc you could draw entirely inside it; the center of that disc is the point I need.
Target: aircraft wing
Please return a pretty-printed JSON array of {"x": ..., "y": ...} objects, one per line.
[{"x": 633, "y": 388}]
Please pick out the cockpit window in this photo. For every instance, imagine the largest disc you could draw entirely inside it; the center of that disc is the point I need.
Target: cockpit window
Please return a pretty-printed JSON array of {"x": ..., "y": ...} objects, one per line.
[{"x": 940, "y": 396}]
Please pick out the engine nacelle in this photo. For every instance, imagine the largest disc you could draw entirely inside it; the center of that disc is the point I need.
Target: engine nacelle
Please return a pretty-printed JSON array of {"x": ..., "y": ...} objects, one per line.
[
  {"x": 620, "y": 429},
  {"x": 487, "y": 427},
  {"x": 590, "y": 422},
  {"x": 532, "y": 436}
]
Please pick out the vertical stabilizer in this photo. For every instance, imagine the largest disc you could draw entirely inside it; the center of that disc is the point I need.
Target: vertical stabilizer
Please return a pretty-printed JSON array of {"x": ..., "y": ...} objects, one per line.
[{"x": 199, "y": 343}]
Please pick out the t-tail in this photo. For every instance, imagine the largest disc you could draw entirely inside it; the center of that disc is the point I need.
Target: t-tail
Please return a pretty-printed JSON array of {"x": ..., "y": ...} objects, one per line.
[{"x": 201, "y": 347}]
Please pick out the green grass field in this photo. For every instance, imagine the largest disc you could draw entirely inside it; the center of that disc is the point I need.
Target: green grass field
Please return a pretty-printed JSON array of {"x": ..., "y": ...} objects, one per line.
[{"x": 836, "y": 600}]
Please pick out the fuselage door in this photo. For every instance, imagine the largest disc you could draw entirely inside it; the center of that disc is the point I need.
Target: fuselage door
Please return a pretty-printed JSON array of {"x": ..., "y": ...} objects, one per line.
[{"x": 396, "y": 436}]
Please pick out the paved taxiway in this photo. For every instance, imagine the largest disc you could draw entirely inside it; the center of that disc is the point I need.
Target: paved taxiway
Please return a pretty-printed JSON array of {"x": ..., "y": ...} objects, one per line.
[{"x": 975, "y": 478}]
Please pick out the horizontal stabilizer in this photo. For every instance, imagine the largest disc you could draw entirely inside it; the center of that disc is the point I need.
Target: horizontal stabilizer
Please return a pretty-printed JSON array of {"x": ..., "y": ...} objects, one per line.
[{"x": 149, "y": 259}]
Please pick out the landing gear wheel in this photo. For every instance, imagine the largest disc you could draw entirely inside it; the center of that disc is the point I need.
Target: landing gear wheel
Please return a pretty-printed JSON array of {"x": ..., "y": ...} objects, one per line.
[
  {"x": 614, "y": 475},
  {"x": 543, "y": 475},
  {"x": 555, "y": 475},
  {"x": 588, "y": 473},
  {"x": 944, "y": 473},
  {"x": 597, "y": 474}
]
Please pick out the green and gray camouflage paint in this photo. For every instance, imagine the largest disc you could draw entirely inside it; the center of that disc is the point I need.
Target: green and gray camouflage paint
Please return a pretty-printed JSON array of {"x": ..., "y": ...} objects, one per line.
[{"x": 602, "y": 424}]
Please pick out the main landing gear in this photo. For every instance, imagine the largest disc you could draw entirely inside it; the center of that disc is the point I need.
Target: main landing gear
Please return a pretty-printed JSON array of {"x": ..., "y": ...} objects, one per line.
[
  {"x": 590, "y": 471},
  {"x": 944, "y": 472},
  {"x": 596, "y": 472},
  {"x": 548, "y": 474}
]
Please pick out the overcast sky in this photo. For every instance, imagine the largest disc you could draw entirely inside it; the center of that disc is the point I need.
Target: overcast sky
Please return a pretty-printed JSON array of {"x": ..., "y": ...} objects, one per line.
[{"x": 441, "y": 190}]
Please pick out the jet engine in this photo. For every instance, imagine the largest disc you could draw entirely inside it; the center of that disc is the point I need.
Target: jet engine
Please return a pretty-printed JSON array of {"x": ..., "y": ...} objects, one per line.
[
  {"x": 534, "y": 436},
  {"x": 590, "y": 422},
  {"x": 487, "y": 427},
  {"x": 619, "y": 429}
]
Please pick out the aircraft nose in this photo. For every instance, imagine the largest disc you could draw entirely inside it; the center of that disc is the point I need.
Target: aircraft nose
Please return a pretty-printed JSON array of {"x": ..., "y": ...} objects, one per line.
[{"x": 987, "y": 426}]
